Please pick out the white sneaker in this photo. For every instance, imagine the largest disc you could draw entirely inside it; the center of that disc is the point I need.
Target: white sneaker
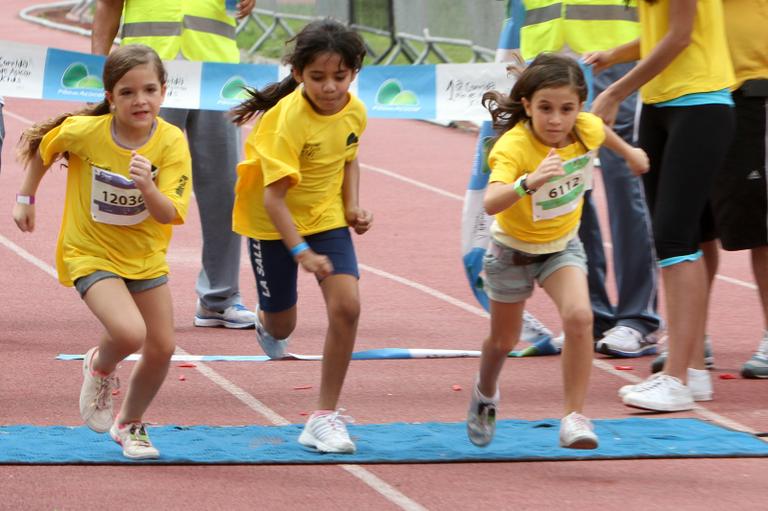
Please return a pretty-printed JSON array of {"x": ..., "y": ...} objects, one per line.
[
  {"x": 481, "y": 418},
  {"x": 234, "y": 316},
  {"x": 328, "y": 433},
  {"x": 662, "y": 393},
  {"x": 135, "y": 441},
  {"x": 96, "y": 396},
  {"x": 577, "y": 432},
  {"x": 273, "y": 347},
  {"x": 533, "y": 329},
  {"x": 699, "y": 381},
  {"x": 626, "y": 342}
]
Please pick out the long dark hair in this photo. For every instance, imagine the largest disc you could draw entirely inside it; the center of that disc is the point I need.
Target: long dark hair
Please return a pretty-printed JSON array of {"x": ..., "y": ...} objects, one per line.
[
  {"x": 316, "y": 38},
  {"x": 548, "y": 70},
  {"x": 119, "y": 62}
]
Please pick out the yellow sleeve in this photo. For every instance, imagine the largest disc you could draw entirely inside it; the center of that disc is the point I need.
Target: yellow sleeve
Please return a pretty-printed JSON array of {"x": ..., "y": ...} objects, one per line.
[
  {"x": 504, "y": 162},
  {"x": 278, "y": 149},
  {"x": 175, "y": 177},
  {"x": 57, "y": 141},
  {"x": 590, "y": 129}
]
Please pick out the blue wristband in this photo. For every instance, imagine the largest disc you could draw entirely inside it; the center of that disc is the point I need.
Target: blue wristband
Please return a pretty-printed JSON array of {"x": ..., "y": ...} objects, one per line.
[{"x": 298, "y": 249}]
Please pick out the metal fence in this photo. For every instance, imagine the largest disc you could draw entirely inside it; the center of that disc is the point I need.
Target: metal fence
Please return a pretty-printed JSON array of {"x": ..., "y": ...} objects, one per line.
[{"x": 417, "y": 31}]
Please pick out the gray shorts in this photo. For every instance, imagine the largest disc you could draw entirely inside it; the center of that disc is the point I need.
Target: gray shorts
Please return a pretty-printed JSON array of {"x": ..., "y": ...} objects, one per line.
[
  {"x": 134, "y": 286},
  {"x": 510, "y": 274}
]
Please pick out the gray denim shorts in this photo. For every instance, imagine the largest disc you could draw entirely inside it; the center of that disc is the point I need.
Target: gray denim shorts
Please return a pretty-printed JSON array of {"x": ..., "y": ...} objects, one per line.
[
  {"x": 508, "y": 282},
  {"x": 134, "y": 286}
]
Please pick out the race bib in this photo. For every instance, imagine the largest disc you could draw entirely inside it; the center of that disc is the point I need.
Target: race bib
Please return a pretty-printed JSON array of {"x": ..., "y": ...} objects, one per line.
[
  {"x": 562, "y": 194},
  {"x": 115, "y": 199}
]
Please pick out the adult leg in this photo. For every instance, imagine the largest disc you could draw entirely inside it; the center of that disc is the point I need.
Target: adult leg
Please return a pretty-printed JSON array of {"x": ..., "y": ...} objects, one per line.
[
  {"x": 213, "y": 144},
  {"x": 684, "y": 174},
  {"x": 633, "y": 253},
  {"x": 760, "y": 270}
]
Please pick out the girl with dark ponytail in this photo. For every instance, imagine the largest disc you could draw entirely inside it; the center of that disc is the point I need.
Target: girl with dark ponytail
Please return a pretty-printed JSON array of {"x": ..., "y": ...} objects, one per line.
[{"x": 295, "y": 199}]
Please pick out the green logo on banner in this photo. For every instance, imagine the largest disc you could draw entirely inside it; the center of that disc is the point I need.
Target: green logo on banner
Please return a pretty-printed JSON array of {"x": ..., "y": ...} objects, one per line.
[
  {"x": 234, "y": 89},
  {"x": 391, "y": 93},
  {"x": 76, "y": 77}
]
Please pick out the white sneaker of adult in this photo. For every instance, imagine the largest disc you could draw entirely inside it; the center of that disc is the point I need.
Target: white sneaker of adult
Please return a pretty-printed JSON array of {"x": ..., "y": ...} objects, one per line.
[
  {"x": 663, "y": 393},
  {"x": 699, "y": 381}
]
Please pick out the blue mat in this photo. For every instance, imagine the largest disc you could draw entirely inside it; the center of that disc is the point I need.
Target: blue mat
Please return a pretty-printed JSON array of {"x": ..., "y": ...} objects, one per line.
[{"x": 433, "y": 442}]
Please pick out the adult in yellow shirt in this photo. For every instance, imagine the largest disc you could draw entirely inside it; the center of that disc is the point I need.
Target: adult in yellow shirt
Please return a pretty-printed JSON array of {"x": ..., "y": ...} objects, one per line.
[
  {"x": 684, "y": 74},
  {"x": 740, "y": 196}
]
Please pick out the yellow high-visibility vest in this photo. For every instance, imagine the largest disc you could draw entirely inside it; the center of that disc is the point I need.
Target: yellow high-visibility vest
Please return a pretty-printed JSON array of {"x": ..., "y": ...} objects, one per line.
[
  {"x": 200, "y": 30},
  {"x": 581, "y": 25}
]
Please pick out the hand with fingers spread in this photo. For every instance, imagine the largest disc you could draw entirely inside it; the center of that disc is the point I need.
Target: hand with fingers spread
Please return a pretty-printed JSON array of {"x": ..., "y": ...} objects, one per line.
[
  {"x": 551, "y": 166},
  {"x": 359, "y": 219},
  {"x": 315, "y": 263}
]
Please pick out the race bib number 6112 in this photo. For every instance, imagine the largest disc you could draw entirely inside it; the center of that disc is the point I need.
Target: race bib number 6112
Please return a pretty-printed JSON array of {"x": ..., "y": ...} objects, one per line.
[{"x": 562, "y": 194}]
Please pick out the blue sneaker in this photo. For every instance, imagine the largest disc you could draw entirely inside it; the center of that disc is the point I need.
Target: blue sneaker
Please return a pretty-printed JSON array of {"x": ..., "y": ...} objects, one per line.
[
  {"x": 757, "y": 366},
  {"x": 273, "y": 348},
  {"x": 626, "y": 342},
  {"x": 234, "y": 316}
]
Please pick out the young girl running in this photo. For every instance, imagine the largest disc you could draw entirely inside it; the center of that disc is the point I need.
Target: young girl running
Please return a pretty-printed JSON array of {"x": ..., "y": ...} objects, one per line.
[
  {"x": 128, "y": 181},
  {"x": 540, "y": 168},
  {"x": 296, "y": 195}
]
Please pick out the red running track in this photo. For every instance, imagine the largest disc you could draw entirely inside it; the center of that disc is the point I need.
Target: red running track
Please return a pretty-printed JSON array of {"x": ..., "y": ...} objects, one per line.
[{"x": 414, "y": 296}]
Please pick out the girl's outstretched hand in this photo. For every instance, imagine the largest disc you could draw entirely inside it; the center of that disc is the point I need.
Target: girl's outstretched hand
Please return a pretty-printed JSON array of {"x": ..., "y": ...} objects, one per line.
[
  {"x": 24, "y": 216},
  {"x": 551, "y": 166},
  {"x": 359, "y": 219},
  {"x": 315, "y": 263},
  {"x": 141, "y": 172},
  {"x": 638, "y": 161}
]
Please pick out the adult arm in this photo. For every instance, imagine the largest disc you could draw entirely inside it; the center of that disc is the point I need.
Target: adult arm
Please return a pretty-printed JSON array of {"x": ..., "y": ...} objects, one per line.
[
  {"x": 682, "y": 14},
  {"x": 106, "y": 22}
]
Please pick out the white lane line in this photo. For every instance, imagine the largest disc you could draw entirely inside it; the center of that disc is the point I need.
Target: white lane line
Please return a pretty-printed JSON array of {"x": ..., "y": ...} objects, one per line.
[
  {"x": 426, "y": 289},
  {"x": 414, "y": 182},
  {"x": 13, "y": 247},
  {"x": 379, "y": 485}
]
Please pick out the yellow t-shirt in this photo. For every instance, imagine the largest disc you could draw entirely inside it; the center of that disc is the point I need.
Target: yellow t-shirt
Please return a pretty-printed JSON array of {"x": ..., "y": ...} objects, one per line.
[
  {"x": 746, "y": 23},
  {"x": 704, "y": 66},
  {"x": 519, "y": 152},
  {"x": 293, "y": 140},
  {"x": 86, "y": 245}
]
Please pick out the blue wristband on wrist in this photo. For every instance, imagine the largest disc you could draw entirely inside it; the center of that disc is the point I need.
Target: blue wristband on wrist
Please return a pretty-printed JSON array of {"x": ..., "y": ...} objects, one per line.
[{"x": 298, "y": 249}]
